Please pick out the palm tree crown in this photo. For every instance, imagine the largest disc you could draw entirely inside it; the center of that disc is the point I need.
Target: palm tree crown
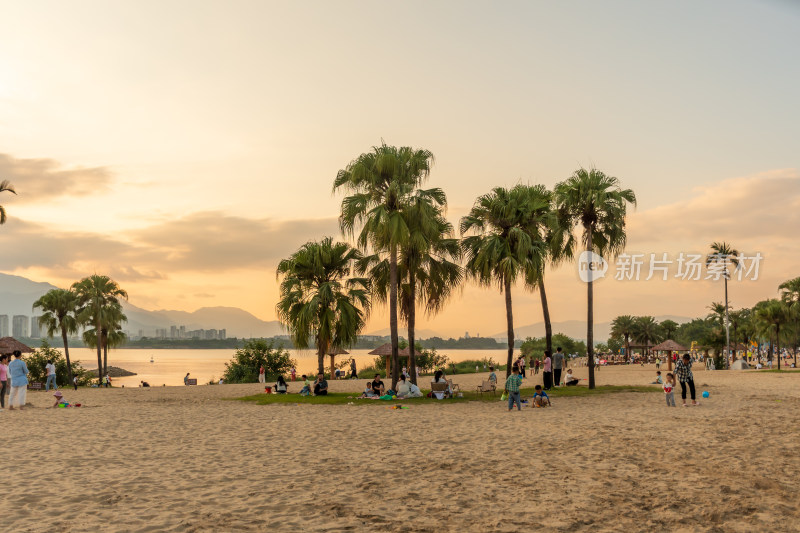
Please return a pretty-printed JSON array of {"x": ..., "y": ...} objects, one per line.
[
  {"x": 59, "y": 308},
  {"x": 5, "y": 186}
]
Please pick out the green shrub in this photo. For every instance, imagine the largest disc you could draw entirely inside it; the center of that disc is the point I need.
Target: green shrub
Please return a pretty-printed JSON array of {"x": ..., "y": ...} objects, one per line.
[
  {"x": 255, "y": 353},
  {"x": 37, "y": 361}
]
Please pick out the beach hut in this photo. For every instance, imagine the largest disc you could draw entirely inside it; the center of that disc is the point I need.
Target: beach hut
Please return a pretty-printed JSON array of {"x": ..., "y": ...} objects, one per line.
[
  {"x": 669, "y": 346},
  {"x": 9, "y": 344},
  {"x": 386, "y": 349},
  {"x": 332, "y": 353}
]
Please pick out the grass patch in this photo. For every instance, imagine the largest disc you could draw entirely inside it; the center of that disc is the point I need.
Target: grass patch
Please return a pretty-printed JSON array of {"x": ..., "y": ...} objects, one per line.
[
  {"x": 782, "y": 371},
  {"x": 343, "y": 398}
]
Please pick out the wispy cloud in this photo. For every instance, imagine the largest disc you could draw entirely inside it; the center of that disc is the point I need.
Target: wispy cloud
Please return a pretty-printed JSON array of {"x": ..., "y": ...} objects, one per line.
[{"x": 46, "y": 178}]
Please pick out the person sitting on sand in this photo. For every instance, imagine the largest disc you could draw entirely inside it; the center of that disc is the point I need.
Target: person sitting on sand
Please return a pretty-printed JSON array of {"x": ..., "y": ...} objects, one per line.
[
  {"x": 540, "y": 398},
  {"x": 145, "y": 384},
  {"x": 306, "y": 390},
  {"x": 377, "y": 386},
  {"x": 368, "y": 392},
  {"x": 413, "y": 391},
  {"x": 570, "y": 380},
  {"x": 403, "y": 389},
  {"x": 60, "y": 399},
  {"x": 320, "y": 386},
  {"x": 281, "y": 386},
  {"x": 658, "y": 380}
]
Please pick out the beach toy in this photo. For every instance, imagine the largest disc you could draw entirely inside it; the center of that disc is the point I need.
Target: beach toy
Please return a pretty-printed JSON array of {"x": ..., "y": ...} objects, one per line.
[
  {"x": 399, "y": 407},
  {"x": 394, "y": 397},
  {"x": 268, "y": 390},
  {"x": 705, "y": 394}
]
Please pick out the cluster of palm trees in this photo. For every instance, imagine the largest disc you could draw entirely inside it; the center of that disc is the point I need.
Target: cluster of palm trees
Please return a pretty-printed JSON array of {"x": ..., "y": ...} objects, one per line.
[
  {"x": 643, "y": 330},
  {"x": 406, "y": 251},
  {"x": 92, "y": 304}
]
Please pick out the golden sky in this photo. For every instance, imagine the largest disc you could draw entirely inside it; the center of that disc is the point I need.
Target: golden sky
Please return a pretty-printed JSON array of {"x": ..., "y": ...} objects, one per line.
[{"x": 184, "y": 147}]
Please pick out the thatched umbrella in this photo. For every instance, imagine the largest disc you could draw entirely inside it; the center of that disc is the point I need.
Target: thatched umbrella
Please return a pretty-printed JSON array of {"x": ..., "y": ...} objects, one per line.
[
  {"x": 670, "y": 346},
  {"x": 333, "y": 352},
  {"x": 9, "y": 344},
  {"x": 386, "y": 349}
]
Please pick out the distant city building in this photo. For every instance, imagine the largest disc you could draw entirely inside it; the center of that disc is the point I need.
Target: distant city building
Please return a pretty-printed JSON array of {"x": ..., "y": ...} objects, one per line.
[
  {"x": 173, "y": 332},
  {"x": 466, "y": 335},
  {"x": 211, "y": 334},
  {"x": 182, "y": 332},
  {"x": 223, "y": 334},
  {"x": 161, "y": 333},
  {"x": 35, "y": 330},
  {"x": 19, "y": 326},
  {"x": 141, "y": 333},
  {"x": 3, "y": 325}
]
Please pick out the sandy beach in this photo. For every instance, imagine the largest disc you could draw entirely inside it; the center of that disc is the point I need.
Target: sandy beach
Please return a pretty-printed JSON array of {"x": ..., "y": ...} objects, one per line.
[{"x": 186, "y": 459}]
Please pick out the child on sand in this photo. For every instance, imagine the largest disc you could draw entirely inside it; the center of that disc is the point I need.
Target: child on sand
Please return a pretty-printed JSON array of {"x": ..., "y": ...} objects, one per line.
[
  {"x": 306, "y": 390},
  {"x": 669, "y": 390},
  {"x": 368, "y": 392},
  {"x": 540, "y": 398},
  {"x": 512, "y": 389},
  {"x": 658, "y": 380}
]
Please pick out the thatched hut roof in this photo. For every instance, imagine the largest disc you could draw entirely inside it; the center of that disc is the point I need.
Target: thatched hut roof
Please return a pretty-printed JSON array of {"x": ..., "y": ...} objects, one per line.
[
  {"x": 9, "y": 344},
  {"x": 386, "y": 349},
  {"x": 670, "y": 345}
]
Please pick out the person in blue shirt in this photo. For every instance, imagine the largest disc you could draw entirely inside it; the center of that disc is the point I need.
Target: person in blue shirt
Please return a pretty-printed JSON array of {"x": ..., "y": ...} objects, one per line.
[
  {"x": 18, "y": 372},
  {"x": 540, "y": 398}
]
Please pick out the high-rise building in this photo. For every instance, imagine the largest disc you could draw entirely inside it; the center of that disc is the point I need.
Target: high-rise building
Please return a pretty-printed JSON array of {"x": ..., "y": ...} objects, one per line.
[
  {"x": 3, "y": 325},
  {"x": 19, "y": 326},
  {"x": 35, "y": 330},
  {"x": 222, "y": 334},
  {"x": 173, "y": 332},
  {"x": 182, "y": 332},
  {"x": 161, "y": 333},
  {"x": 211, "y": 334}
]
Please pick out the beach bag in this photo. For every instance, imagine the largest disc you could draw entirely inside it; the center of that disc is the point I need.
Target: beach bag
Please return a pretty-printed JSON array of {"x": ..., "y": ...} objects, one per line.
[{"x": 504, "y": 397}]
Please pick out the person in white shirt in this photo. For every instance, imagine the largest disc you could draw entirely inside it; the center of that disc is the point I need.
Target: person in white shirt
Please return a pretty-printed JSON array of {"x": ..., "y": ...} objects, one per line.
[{"x": 51, "y": 376}]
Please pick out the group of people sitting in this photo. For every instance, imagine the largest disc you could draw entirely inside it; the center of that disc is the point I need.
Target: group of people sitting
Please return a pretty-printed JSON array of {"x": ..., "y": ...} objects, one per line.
[{"x": 375, "y": 389}]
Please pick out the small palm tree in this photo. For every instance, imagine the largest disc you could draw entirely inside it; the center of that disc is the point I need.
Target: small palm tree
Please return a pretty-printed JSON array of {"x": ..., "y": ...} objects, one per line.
[
  {"x": 319, "y": 299},
  {"x": 383, "y": 182},
  {"x": 98, "y": 301},
  {"x": 502, "y": 246},
  {"x": 59, "y": 308},
  {"x": 717, "y": 313},
  {"x": 623, "y": 327},
  {"x": 646, "y": 330},
  {"x": 669, "y": 327},
  {"x": 790, "y": 293},
  {"x": 772, "y": 314},
  {"x": 595, "y": 202},
  {"x": 5, "y": 186},
  {"x": 724, "y": 254}
]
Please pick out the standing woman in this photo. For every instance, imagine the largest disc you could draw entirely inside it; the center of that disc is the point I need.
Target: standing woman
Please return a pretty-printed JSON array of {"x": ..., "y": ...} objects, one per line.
[
  {"x": 683, "y": 369},
  {"x": 3, "y": 380},
  {"x": 18, "y": 371}
]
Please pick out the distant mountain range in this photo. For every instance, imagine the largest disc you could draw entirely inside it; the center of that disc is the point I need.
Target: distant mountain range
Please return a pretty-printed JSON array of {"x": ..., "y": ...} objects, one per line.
[
  {"x": 17, "y": 295},
  {"x": 575, "y": 329}
]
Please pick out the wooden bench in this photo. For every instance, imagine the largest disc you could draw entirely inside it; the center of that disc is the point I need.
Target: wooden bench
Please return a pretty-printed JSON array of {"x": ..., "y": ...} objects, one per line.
[{"x": 191, "y": 381}]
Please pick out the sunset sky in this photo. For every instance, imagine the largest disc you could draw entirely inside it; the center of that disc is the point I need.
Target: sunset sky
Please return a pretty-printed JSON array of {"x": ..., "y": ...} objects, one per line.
[{"x": 185, "y": 147}]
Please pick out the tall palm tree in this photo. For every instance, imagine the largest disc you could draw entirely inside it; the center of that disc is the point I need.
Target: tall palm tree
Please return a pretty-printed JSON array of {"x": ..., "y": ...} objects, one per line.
[
  {"x": 790, "y": 293},
  {"x": 646, "y": 330},
  {"x": 383, "y": 182},
  {"x": 503, "y": 245},
  {"x": 5, "y": 186},
  {"x": 59, "y": 308},
  {"x": 723, "y": 254},
  {"x": 717, "y": 313},
  {"x": 623, "y": 326},
  {"x": 319, "y": 299},
  {"x": 428, "y": 268},
  {"x": 98, "y": 299},
  {"x": 773, "y": 314},
  {"x": 595, "y": 202},
  {"x": 111, "y": 334}
]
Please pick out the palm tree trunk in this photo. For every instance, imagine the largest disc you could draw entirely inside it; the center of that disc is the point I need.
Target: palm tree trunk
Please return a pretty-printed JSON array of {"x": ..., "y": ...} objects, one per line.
[
  {"x": 66, "y": 354},
  {"x": 727, "y": 323},
  {"x": 105, "y": 354},
  {"x": 627, "y": 347},
  {"x": 412, "y": 321},
  {"x": 321, "y": 359},
  {"x": 99, "y": 353},
  {"x": 548, "y": 326},
  {"x": 510, "y": 325},
  {"x": 393, "y": 282},
  {"x": 778, "y": 343},
  {"x": 590, "y": 313}
]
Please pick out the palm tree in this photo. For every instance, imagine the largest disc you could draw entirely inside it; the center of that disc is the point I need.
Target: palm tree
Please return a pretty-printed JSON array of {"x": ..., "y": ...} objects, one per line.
[
  {"x": 503, "y": 246},
  {"x": 59, "y": 308},
  {"x": 111, "y": 334},
  {"x": 428, "y": 268},
  {"x": 646, "y": 330},
  {"x": 790, "y": 293},
  {"x": 596, "y": 202},
  {"x": 717, "y": 313},
  {"x": 98, "y": 300},
  {"x": 319, "y": 299},
  {"x": 5, "y": 186},
  {"x": 383, "y": 182},
  {"x": 623, "y": 327},
  {"x": 723, "y": 254},
  {"x": 773, "y": 314},
  {"x": 669, "y": 327}
]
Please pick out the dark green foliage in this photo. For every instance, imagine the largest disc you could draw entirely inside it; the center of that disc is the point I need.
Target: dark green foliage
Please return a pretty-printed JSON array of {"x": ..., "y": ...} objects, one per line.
[
  {"x": 256, "y": 352},
  {"x": 37, "y": 360},
  {"x": 536, "y": 346}
]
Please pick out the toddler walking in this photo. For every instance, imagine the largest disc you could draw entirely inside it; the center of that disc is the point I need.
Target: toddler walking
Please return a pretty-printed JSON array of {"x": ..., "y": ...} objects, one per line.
[{"x": 669, "y": 390}]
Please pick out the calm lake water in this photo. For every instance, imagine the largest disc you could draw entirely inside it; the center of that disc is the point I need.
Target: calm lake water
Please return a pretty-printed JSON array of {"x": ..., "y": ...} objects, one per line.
[{"x": 170, "y": 366}]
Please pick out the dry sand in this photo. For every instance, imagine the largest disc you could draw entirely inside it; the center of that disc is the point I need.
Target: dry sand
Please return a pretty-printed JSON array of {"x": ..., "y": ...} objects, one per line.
[{"x": 184, "y": 459}]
